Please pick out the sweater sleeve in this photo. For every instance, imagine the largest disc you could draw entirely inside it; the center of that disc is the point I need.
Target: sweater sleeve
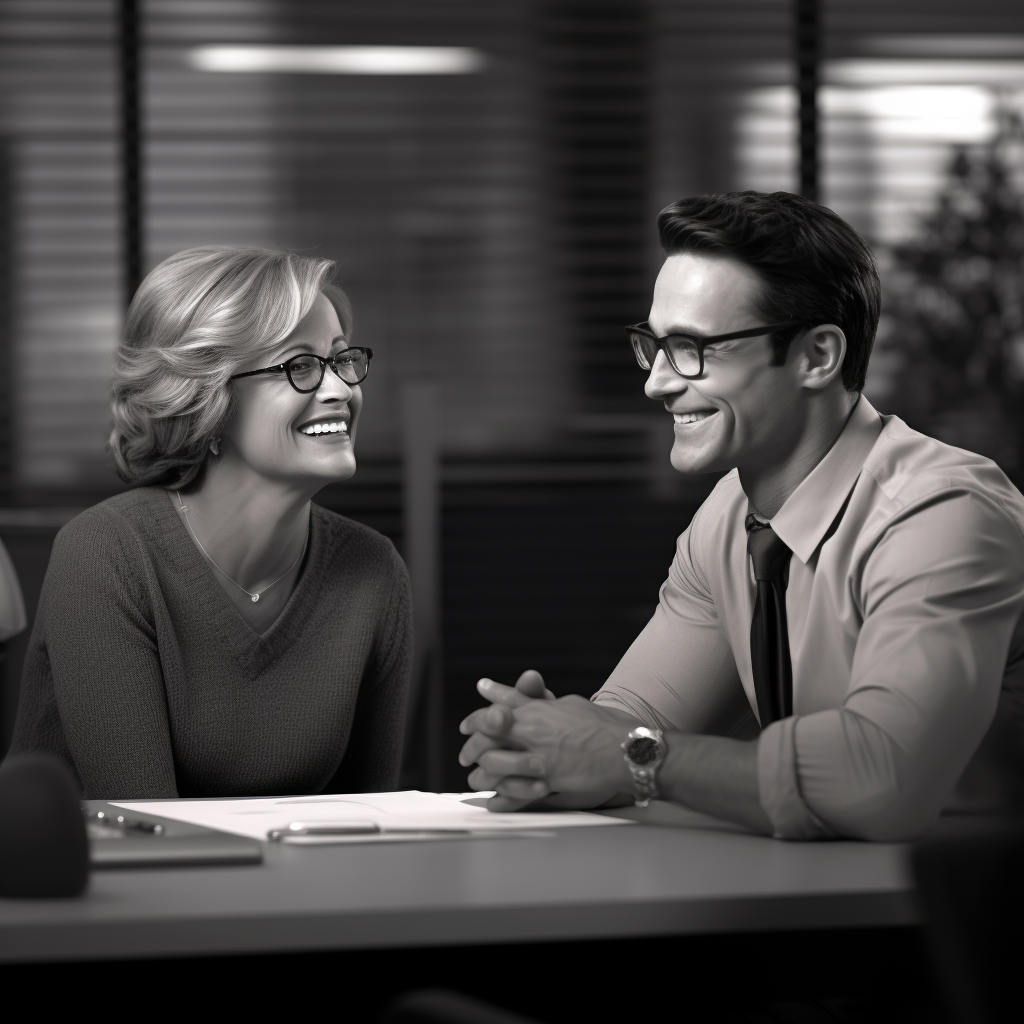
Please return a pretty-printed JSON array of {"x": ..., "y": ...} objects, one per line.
[
  {"x": 374, "y": 754},
  {"x": 12, "y": 604},
  {"x": 93, "y": 690}
]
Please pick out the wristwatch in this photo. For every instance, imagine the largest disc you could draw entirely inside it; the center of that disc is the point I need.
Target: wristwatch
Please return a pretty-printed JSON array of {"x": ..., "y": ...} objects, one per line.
[{"x": 643, "y": 751}]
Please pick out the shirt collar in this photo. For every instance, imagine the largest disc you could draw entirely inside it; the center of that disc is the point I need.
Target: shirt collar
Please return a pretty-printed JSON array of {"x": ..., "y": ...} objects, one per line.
[{"x": 809, "y": 511}]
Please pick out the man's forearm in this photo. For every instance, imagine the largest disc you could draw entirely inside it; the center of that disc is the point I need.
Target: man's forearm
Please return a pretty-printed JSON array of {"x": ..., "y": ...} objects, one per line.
[{"x": 715, "y": 775}]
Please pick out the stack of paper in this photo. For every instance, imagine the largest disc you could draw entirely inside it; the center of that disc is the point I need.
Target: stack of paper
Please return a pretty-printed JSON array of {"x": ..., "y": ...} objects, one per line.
[{"x": 390, "y": 816}]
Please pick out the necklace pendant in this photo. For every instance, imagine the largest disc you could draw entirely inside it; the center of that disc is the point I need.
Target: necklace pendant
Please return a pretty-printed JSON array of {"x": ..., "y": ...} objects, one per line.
[{"x": 255, "y": 597}]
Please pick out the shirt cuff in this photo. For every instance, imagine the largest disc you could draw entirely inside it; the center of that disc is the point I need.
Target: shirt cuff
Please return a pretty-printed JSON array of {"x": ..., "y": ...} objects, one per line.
[{"x": 779, "y": 785}]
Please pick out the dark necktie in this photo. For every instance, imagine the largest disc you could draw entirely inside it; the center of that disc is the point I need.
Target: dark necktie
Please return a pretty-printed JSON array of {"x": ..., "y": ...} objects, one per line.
[{"x": 769, "y": 635}]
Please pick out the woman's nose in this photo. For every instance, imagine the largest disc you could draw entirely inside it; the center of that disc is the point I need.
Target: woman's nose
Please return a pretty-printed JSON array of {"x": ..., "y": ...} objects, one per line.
[
  {"x": 333, "y": 387},
  {"x": 663, "y": 380}
]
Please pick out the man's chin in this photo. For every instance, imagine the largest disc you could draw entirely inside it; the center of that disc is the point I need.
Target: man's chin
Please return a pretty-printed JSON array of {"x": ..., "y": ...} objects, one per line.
[{"x": 691, "y": 463}]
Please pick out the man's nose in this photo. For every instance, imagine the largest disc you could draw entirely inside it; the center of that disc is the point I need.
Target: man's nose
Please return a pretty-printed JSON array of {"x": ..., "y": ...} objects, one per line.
[{"x": 663, "y": 380}]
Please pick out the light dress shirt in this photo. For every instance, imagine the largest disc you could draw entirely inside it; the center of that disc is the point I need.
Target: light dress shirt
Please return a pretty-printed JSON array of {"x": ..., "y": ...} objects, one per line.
[{"x": 904, "y": 604}]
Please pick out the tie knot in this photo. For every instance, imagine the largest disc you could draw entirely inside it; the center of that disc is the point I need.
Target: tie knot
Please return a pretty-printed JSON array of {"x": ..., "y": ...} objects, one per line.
[{"x": 767, "y": 551}]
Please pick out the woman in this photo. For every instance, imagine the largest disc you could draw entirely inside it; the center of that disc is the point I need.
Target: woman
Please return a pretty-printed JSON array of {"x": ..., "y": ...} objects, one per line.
[{"x": 211, "y": 632}]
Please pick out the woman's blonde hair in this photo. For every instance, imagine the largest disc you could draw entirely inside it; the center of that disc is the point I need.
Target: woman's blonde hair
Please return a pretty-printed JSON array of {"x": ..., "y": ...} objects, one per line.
[{"x": 197, "y": 318}]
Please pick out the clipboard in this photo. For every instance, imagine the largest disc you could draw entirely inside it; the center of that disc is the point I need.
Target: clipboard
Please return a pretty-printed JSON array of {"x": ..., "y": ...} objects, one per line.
[{"x": 150, "y": 841}]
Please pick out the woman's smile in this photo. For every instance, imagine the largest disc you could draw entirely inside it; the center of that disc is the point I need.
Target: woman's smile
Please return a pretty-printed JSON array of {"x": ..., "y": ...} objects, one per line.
[{"x": 335, "y": 427}]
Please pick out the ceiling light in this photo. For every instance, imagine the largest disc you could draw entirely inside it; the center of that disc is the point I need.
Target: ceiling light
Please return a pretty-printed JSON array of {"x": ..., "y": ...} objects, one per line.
[
  {"x": 958, "y": 44},
  {"x": 340, "y": 60}
]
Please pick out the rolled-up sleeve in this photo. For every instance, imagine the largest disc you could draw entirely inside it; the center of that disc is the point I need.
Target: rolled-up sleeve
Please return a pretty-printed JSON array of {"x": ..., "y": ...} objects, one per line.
[
  {"x": 941, "y": 593},
  {"x": 680, "y": 672}
]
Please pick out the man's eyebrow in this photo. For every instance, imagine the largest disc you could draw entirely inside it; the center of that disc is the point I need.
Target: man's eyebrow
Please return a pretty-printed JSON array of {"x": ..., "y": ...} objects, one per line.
[{"x": 691, "y": 332}]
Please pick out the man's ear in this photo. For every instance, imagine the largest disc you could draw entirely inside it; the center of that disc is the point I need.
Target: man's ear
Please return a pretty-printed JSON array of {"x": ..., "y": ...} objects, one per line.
[{"x": 819, "y": 354}]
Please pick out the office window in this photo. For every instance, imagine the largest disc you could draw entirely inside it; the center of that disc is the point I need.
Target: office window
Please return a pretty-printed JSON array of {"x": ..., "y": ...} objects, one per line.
[{"x": 429, "y": 190}]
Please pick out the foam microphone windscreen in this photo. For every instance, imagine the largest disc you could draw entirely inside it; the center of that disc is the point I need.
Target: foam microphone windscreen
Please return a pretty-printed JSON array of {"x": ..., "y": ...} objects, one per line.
[{"x": 44, "y": 850}]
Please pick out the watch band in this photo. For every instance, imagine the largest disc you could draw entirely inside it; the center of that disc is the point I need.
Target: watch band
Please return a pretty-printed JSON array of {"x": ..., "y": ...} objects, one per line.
[
  {"x": 645, "y": 783},
  {"x": 643, "y": 751}
]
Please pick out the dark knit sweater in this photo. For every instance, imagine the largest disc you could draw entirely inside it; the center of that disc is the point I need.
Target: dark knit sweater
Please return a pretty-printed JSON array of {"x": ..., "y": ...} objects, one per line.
[{"x": 143, "y": 677}]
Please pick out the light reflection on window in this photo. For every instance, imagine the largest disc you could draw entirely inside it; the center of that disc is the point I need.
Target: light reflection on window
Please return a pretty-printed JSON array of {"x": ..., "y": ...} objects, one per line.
[
  {"x": 926, "y": 159},
  {"x": 886, "y": 138}
]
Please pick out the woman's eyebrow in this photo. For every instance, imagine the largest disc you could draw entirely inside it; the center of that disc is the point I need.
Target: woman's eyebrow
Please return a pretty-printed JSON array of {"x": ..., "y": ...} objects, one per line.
[
  {"x": 304, "y": 348},
  {"x": 293, "y": 350}
]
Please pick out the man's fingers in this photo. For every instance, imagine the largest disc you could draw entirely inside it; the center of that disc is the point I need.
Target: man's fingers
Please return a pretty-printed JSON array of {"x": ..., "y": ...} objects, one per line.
[
  {"x": 479, "y": 779},
  {"x": 531, "y": 684},
  {"x": 518, "y": 788},
  {"x": 476, "y": 745},
  {"x": 493, "y": 721},
  {"x": 499, "y": 693},
  {"x": 515, "y": 786},
  {"x": 511, "y": 762},
  {"x": 506, "y": 805}
]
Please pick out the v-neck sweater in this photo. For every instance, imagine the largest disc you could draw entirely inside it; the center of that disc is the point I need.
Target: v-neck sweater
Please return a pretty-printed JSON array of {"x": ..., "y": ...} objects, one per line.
[{"x": 142, "y": 676}]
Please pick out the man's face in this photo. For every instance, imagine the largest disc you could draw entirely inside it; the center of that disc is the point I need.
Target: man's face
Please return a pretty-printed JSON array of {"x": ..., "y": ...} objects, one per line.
[{"x": 742, "y": 411}]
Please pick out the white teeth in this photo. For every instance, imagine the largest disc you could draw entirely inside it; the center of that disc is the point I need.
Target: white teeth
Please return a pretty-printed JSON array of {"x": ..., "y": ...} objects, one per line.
[
  {"x": 335, "y": 427},
  {"x": 690, "y": 417}
]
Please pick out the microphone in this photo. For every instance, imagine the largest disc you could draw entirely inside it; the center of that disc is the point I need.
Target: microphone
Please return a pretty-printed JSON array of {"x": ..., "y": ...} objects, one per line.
[{"x": 44, "y": 850}]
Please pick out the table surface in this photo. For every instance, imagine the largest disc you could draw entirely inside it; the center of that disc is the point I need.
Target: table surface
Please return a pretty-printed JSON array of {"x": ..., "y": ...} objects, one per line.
[{"x": 578, "y": 883}]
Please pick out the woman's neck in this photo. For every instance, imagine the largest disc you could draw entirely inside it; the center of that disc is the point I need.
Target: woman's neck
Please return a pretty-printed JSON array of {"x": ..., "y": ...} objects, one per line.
[{"x": 252, "y": 529}]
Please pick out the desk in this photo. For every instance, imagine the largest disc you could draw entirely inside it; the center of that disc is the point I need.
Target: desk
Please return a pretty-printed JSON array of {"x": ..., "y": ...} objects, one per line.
[{"x": 583, "y": 883}]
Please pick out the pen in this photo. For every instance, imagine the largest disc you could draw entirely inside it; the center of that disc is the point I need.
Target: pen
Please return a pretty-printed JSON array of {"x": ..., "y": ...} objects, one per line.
[
  {"x": 353, "y": 828},
  {"x": 124, "y": 824}
]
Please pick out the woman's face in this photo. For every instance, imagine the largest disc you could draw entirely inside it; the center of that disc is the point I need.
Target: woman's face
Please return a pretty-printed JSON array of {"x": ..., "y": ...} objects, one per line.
[{"x": 271, "y": 430}]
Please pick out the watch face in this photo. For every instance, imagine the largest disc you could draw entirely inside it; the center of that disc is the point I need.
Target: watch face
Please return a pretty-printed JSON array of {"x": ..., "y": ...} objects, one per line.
[{"x": 643, "y": 750}]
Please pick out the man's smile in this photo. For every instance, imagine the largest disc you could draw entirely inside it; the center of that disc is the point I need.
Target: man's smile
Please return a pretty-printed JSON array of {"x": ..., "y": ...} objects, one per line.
[{"x": 685, "y": 418}]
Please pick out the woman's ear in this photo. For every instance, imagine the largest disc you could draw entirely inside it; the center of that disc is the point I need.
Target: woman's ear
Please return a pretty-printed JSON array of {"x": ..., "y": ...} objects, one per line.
[{"x": 822, "y": 351}]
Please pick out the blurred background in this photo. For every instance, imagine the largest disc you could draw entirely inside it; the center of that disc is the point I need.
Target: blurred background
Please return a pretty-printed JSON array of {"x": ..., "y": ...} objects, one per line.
[{"x": 486, "y": 176}]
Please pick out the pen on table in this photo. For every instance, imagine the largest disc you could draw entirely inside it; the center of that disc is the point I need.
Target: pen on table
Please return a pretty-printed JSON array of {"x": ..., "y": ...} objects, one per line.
[
  {"x": 119, "y": 821},
  {"x": 300, "y": 829},
  {"x": 353, "y": 828}
]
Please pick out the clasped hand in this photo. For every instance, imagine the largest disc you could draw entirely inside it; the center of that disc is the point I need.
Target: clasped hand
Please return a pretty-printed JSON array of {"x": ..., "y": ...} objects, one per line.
[{"x": 533, "y": 748}]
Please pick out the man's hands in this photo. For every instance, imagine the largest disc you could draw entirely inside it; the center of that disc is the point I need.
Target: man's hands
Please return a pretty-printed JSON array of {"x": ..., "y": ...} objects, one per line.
[
  {"x": 531, "y": 746},
  {"x": 533, "y": 749}
]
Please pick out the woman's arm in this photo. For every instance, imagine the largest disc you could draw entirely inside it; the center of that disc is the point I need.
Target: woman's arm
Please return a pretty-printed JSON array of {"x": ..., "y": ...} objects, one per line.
[
  {"x": 12, "y": 605},
  {"x": 374, "y": 754},
  {"x": 93, "y": 688}
]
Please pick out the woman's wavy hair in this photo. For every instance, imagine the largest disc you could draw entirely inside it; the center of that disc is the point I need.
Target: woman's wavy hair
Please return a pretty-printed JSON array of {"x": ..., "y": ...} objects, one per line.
[{"x": 197, "y": 318}]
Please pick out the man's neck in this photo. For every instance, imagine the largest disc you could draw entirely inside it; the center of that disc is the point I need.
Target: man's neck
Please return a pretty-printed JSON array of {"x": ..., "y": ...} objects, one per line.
[{"x": 769, "y": 484}]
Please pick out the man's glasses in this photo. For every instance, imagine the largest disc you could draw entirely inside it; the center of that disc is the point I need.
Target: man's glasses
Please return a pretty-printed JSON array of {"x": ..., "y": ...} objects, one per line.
[
  {"x": 685, "y": 352},
  {"x": 305, "y": 372}
]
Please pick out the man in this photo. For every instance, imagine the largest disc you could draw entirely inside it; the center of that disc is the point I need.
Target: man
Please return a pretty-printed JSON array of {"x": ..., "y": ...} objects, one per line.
[{"x": 843, "y": 613}]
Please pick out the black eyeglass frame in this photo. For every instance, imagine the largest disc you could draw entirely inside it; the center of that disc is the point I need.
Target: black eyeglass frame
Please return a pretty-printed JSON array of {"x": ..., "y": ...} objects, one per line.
[
  {"x": 324, "y": 363},
  {"x": 698, "y": 342}
]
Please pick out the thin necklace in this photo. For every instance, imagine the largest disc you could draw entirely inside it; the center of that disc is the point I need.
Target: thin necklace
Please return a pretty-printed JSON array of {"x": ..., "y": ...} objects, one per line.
[{"x": 258, "y": 594}]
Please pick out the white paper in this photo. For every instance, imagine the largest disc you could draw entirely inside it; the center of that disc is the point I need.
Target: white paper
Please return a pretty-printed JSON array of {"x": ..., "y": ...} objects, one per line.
[{"x": 411, "y": 809}]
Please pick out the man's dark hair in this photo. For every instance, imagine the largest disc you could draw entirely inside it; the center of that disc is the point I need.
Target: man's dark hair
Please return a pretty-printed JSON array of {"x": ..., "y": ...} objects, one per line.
[{"x": 816, "y": 269}]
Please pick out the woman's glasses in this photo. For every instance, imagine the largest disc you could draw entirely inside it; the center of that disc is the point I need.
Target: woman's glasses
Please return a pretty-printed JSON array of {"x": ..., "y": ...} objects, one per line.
[
  {"x": 685, "y": 352},
  {"x": 305, "y": 372}
]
